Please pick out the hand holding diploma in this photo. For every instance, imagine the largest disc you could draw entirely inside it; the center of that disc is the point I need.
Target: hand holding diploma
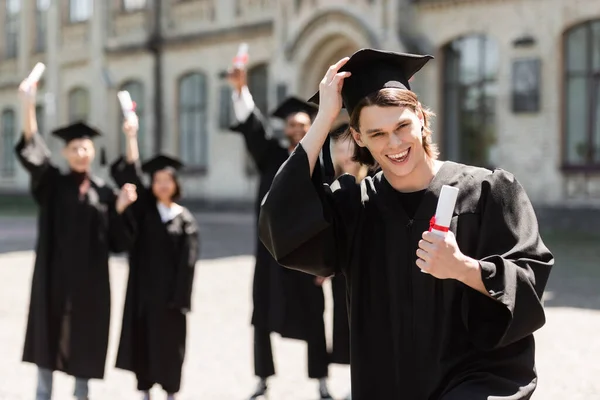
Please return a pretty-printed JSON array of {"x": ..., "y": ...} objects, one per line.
[
  {"x": 438, "y": 252},
  {"x": 28, "y": 87},
  {"x": 236, "y": 75},
  {"x": 34, "y": 77}
]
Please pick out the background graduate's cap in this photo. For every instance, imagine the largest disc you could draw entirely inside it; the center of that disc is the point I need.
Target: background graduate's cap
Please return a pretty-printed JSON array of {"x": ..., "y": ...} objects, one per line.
[
  {"x": 160, "y": 162},
  {"x": 373, "y": 70},
  {"x": 78, "y": 130},
  {"x": 340, "y": 130},
  {"x": 293, "y": 105}
]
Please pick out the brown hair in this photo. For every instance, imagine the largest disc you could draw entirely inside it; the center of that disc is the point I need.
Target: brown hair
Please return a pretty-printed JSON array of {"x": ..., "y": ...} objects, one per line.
[{"x": 391, "y": 97}]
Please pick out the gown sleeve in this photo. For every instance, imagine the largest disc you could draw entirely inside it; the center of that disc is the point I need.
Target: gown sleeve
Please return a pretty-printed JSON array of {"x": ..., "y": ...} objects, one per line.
[
  {"x": 259, "y": 146},
  {"x": 515, "y": 266},
  {"x": 182, "y": 292},
  {"x": 121, "y": 227},
  {"x": 34, "y": 155},
  {"x": 305, "y": 224}
]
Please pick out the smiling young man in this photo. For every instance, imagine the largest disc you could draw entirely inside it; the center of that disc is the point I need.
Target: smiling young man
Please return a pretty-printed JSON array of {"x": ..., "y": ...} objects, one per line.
[
  {"x": 80, "y": 221},
  {"x": 462, "y": 330}
]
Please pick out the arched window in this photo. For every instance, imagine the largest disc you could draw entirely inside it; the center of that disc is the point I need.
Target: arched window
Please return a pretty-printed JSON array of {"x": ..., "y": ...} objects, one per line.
[
  {"x": 581, "y": 145},
  {"x": 193, "y": 127},
  {"x": 470, "y": 90},
  {"x": 8, "y": 121},
  {"x": 136, "y": 90},
  {"x": 79, "y": 105}
]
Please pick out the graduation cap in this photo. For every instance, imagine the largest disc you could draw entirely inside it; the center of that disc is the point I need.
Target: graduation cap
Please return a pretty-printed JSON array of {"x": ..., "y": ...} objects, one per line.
[
  {"x": 160, "y": 162},
  {"x": 293, "y": 105},
  {"x": 78, "y": 130},
  {"x": 372, "y": 70}
]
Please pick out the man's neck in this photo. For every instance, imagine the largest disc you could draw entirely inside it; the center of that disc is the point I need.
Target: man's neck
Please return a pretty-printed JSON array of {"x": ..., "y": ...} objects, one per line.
[
  {"x": 166, "y": 203},
  {"x": 418, "y": 179}
]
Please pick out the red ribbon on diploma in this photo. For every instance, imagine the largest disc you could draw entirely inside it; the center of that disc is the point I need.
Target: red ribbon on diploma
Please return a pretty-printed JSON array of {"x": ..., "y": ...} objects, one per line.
[{"x": 433, "y": 226}]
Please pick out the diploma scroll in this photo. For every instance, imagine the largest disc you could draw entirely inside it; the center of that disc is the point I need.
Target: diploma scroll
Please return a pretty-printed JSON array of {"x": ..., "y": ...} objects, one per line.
[
  {"x": 127, "y": 105},
  {"x": 241, "y": 58},
  {"x": 35, "y": 75},
  {"x": 440, "y": 223}
]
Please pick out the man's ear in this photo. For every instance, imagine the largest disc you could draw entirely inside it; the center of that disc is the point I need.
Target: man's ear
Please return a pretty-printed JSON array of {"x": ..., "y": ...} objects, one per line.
[
  {"x": 421, "y": 114},
  {"x": 357, "y": 137}
]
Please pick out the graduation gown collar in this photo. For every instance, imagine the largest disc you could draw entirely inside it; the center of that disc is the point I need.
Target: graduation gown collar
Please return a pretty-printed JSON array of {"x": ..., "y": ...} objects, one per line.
[{"x": 446, "y": 175}]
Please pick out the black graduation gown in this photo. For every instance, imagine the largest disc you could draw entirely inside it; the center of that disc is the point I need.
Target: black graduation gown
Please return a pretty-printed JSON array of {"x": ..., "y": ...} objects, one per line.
[
  {"x": 414, "y": 336},
  {"x": 285, "y": 301},
  {"x": 340, "y": 352},
  {"x": 161, "y": 274},
  {"x": 69, "y": 310}
]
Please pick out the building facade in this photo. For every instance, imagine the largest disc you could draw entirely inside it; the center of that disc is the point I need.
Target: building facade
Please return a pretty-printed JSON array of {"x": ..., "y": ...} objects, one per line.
[{"x": 515, "y": 83}]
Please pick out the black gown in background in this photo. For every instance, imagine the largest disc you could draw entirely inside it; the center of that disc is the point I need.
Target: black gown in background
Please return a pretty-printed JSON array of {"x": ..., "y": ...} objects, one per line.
[
  {"x": 159, "y": 290},
  {"x": 285, "y": 301},
  {"x": 69, "y": 310},
  {"x": 414, "y": 336}
]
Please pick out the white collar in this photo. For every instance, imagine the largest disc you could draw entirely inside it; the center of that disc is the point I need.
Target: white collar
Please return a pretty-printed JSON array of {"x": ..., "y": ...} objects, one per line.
[{"x": 168, "y": 213}]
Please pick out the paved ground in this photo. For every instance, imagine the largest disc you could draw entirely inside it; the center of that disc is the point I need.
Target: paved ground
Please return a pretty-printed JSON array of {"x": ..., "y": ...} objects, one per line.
[{"x": 219, "y": 363}]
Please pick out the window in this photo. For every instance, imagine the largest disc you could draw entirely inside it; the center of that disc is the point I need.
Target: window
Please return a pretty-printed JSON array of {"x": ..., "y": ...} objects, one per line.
[
  {"x": 79, "y": 105},
  {"x": 225, "y": 107},
  {"x": 193, "y": 130},
  {"x": 80, "y": 10},
  {"x": 11, "y": 28},
  {"x": 7, "y": 120},
  {"x": 470, "y": 92},
  {"x": 133, "y": 5},
  {"x": 581, "y": 147},
  {"x": 258, "y": 77},
  {"x": 136, "y": 90},
  {"x": 41, "y": 25}
]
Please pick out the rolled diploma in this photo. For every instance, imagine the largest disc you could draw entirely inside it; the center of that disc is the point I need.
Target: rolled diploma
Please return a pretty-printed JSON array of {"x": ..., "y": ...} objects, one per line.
[
  {"x": 35, "y": 74},
  {"x": 126, "y": 104},
  {"x": 241, "y": 57},
  {"x": 445, "y": 208}
]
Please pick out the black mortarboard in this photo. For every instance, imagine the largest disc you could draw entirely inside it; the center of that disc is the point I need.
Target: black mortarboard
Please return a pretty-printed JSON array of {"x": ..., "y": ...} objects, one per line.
[
  {"x": 159, "y": 162},
  {"x": 373, "y": 70},
  {"x": 293, "y": 105},
  {"x": 78, "y": 130}
]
